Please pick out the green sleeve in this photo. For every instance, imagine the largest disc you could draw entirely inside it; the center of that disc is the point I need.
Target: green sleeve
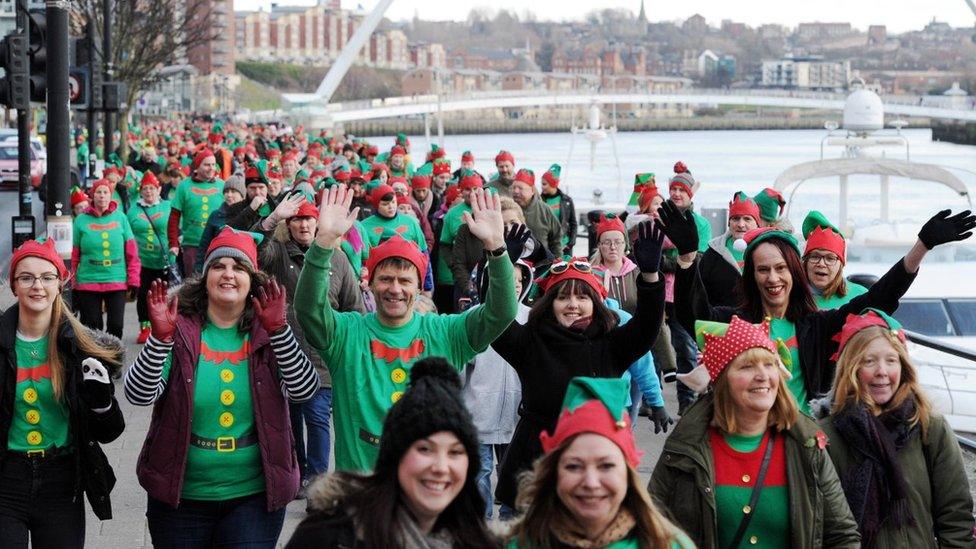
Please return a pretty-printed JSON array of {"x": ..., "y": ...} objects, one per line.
[
  {"x": 704, "y": 233},
  {"x": 487, "y": 321},
  {"x": 418, "y": 234},
  {"x": 177, "y": 203},
  {"x": 312, "y": 306}
]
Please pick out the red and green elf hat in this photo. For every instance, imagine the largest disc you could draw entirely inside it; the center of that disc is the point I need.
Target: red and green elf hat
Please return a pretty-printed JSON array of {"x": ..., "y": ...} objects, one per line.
[
  {"x": 526, "y": 176},
  {"x": 771, "y": 204},
  {"x": 868, "y": 317},
  {"x": 599, "y": 406},
  {"x": 467, "y": 156},
  {"x": 609, "y": 223},
  {"x": 441, "y": 166},
  {"x": 742, "y": 205},
  {"x": 572, "y": 268},
  {"x": 642, "y": 182},
  {"x": 721, "y": 343},
  {"x": 821, "y": 234},
  {"x": 753, "y": 238},
  {"x": 551, "y": 176}
]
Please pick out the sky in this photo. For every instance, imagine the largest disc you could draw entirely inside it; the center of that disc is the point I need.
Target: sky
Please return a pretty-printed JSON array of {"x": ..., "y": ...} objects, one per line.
[{"x": 898, "y": 15}]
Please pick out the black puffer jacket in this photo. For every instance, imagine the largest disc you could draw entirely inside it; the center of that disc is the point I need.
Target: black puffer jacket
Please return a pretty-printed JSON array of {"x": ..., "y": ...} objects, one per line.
[
  {"x": 720, "y": 273},
  {"x": 88, "y": 429}
]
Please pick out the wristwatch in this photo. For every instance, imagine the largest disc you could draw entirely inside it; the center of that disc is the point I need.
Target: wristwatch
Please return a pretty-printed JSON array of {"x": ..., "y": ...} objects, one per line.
[{"x": 498, "y": 252}]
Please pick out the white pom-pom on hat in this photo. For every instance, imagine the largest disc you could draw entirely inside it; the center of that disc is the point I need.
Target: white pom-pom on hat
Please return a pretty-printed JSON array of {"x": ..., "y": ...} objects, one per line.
[{"x": 739, "y": 245}]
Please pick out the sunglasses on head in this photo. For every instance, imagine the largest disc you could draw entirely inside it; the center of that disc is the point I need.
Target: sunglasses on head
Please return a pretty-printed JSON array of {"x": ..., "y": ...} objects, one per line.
[{"x": 562, "y": 266}]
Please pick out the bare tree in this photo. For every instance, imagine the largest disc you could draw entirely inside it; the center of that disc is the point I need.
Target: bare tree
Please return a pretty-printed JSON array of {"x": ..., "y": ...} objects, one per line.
[{"x": 146, "y": 36}]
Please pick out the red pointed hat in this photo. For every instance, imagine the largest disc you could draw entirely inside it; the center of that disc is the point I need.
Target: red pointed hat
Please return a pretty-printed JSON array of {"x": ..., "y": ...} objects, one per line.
[
  {"x": 471, "y": 180},
  {"x": 467, "y": 156},
  {"x": 526, "y": 176},
  {"x": 442, "y": 167},
  {"x": 612, "y": 223},
  {"x": 204, "y": 154},
  {"x": 720, "y": 350},
  {"x": 397, "y": 246},
  {"x": 376, "y": 196},
  {"x": 398, "y": 150},
  {"x": 504, "y": 156},
  {"x": 868, "y": 317},
  {"x": 78, "y": 196},
  {"x": 420, "y": 182},
  {"x": 149, "y": 178},
  {"x": 575, "y": 268},
  {"x": 648, "y": 194},
  {"x": 743, "y": 205},
  {"x": 821, "y": 234},
  {"x": 44, "y": 250}
]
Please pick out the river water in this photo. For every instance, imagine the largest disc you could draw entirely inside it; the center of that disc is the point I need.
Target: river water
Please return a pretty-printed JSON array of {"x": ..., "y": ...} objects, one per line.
[{"x": 724, "y": 162}]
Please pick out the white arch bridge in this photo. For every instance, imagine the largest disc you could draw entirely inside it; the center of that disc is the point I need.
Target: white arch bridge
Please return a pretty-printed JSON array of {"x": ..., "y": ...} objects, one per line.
[{"x": 308, "y": 107}]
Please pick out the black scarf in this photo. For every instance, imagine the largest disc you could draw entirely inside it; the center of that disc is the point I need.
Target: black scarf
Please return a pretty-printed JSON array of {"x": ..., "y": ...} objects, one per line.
[{"x": 875, "y": 486}]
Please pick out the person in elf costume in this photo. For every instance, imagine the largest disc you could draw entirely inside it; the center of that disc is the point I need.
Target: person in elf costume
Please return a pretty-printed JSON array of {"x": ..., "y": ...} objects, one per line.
[
  {"x": 591, "y": 453},
  {"x": 398, "y": 162},
  {"x": 234, "y": 193},
  {"x": 744, "y": 466},
  {"x": 388, "y": 221},
  {"x": 224, "y": 158},
  {"x": 898, "y": 460},
  {"x": 774, "y": 286},
  {"x": 721, "y": 264},
  {"x": 771, "y": 207},
  {"x": 541, "y": 221},
  {"x": 105, "y": 262},
  {"x": 218, "y": 462},
  {"x": 370, "y": 356},
  {"x": 561, "y": 205},
  {"x": 824, "y": 257},
  {"x": 505, "y": 165},
  {"x": 194, "y": 199},
  {"x": 467, "y": 163},
  {"x": 444, "y": 287},
  {"x": 422, "y": 196},
  {"x": 59, "y": 407},
  {"x": 440, "y": 176},
  {"x": 148, "y": 218},
  {"x": 79, "y": 201}
]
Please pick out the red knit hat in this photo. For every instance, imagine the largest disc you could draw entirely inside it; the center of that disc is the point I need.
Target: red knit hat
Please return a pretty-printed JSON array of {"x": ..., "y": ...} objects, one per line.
[
  {"x": 44, "y": 250},
  {"x": 526, "y": 176},
  {"x": 598, "y": 406},
  {"x": 467, "y": 156},
  {"x": 204, "y": 154},
  {"x": 376, "y": 196},
  {"x": 102, "y": 183},
  {"x": 472, "y": 180},
  {"x": 683, "y": 178},
  {"x": 307, "y": 209},
  {"x": 504, "y": 156},
  {"x": 240, "y": 245},
  {"x": 149, "y": 178},
  {"x": 420, "y": 181},
  {"x": 397, "y": 246},
  {"x": 442, "y": 167},
  {"x": 78, "y": 196},
  {"x": 372, "y": 150},
  {"x": 743, "y": 205},
  {"x": 112, "y": 170},
  {"x": 576, "y": 268},
  {"x": 398, "y": 150},
  {"x": 551, "y": 176},
  {"x": 607, "y": 224}
]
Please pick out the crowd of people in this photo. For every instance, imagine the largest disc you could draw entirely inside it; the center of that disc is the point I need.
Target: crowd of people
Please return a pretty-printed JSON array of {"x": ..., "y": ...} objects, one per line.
[{"x": 307, "y": 298}]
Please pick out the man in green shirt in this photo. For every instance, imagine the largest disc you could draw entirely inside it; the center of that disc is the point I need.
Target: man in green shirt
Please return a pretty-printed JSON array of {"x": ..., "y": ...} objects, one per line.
[
  {"x": 195, "y": 199},
  {"x": 370, "y": 356}
]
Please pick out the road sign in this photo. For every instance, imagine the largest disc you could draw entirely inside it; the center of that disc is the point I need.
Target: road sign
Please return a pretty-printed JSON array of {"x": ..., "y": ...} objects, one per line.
[{"x": 78, "y": 87}]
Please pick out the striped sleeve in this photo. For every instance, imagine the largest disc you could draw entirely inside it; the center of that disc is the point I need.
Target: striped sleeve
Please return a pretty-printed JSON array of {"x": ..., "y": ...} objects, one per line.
[
  {"x": 143, "y": 381},
  {"x": 299, "y": 381}
]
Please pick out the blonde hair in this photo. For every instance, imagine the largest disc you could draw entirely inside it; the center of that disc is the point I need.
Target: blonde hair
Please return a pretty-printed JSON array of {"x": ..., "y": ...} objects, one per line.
[
  {"x": 782, "y": 415},
  {"x": 510, "y": 205},
  {"x": 847, "y": 386},
  {"x": 538, "y": 498},
  {"x": 83, "y": 339},
  {"x": 837, "y": 286}
]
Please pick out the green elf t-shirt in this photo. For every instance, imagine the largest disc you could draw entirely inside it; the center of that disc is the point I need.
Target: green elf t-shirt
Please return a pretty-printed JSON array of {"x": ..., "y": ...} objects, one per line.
[
  {"x": 555, "y": 204},
  {"x": 404, "y": 225},
  {"x": 196, "y": 201},
  {"x": 39, "y": 421},
  {"x": 222, "y": 409},
  {"x": 153, "y": 244},
  {"x": 835, "y": 301},
  {"x": 782, "y": 329},
  {"x": 449, "y": 230},
  {"x": 101, "y": 243}
]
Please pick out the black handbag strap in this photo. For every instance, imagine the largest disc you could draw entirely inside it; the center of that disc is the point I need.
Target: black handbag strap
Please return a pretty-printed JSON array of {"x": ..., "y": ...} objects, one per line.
[
  {"x": 162, "y": 249},
  {"x": 756, "y": 490}
]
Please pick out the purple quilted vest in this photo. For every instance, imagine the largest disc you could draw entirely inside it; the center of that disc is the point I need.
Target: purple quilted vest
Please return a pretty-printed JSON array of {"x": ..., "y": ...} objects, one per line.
[{"x": 163, "y": 458}]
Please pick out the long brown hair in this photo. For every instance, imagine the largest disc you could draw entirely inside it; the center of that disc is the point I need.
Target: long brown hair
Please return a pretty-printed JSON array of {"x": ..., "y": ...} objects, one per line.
[
  {"x": 847, "y": 387},
  {"x": 782, "y": 415},
  {"x": 194, "y": 298},
  {"x": 61, "y": 314},
  {"x": 540, "y": 501},
  {"x": 542, "y": 308},
  {"x": 801, "y": 300}
]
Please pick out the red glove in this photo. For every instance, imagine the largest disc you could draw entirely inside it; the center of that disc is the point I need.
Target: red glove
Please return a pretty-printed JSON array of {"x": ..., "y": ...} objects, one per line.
[
  {"x": 162, "y": 315},
  {"x": 270, "y": 306}
]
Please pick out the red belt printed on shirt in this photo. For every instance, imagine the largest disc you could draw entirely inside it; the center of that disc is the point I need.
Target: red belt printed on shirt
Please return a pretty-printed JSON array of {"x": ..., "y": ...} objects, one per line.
[
  {"x": 217, "y": 357},
  {"x": 389, "y": 354},
  {"x": 103, "y": 227},
  {"x": 202, "y": 192},
  {"x": 36, "y": 373}
]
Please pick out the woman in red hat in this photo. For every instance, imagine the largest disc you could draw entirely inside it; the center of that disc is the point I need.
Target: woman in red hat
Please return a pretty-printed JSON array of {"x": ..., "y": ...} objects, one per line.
[
  {"x": 774, "y": 286},
  {"x": 220, "y": 367},
  {"x": 58, "y": 405},
  {"x": 105, "y": 262},
  {"x": 824, "y": 257},
  {"x": 898, "y": 460},
  {"x": 149, "y": 217},
  {"x": 585, "y": 490},
  {"x": 744, "y": 467},
  {"x": 570, "y": 332}
]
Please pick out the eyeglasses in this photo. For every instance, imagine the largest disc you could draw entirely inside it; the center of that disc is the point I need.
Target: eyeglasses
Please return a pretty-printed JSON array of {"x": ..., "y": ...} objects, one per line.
[
  {"x": 828, "y": 260},
  {"x": 577, "y": 264},
  {"x": 27, "y": 280},
  {"x": 613, "y": 243}
]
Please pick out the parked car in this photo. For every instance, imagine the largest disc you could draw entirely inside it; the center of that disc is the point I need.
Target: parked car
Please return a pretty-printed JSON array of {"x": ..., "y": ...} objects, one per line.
[
  {"x": 8, "y": 166},
  {"x": 35, "y": 143}
]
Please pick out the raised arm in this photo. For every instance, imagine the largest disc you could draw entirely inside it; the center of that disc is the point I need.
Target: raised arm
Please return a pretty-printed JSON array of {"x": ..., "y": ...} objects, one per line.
[
  {"x": 634, "y": 339},
  {"x": 298, "y": 378},
  {"x": 486, "y": 322},
  {"x": 143, "y": 382}
]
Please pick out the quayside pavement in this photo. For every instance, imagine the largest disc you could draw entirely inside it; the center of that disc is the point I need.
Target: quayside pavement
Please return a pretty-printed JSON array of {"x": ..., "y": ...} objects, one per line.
[{"x": 128, "y": 528}]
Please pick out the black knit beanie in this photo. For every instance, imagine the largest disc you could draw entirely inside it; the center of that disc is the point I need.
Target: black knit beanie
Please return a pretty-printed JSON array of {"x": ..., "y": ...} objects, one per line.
[{"x": 431, "y": 404}]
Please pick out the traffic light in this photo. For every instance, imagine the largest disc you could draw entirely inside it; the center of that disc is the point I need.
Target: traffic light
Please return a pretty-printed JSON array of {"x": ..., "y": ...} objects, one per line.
[
  {"x": 37, "y": 49},
  {"x": 14, "y": 86}
]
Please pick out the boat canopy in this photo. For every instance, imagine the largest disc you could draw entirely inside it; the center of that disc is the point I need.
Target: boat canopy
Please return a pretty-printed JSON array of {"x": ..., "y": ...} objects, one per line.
[{"x": 871, "y": 166}]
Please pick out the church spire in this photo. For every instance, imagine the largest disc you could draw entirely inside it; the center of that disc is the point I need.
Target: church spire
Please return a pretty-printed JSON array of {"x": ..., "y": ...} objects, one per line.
[{"x": 642, "y": 16}]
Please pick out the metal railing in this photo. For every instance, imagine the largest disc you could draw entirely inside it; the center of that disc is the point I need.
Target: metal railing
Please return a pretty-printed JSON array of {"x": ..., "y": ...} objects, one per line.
[{"x": 967, "y": 444}]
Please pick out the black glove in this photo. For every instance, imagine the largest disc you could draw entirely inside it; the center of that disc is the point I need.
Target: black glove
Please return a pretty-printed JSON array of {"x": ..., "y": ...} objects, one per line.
[
  {"x": 648, "y": 246},
  {"x": 661, "y": 419},
  {"x": 96, "y": 385},
  {"x": 679, "y": 226},
  {"x": 942, "y": 228},
  {"x": 515, "y": 239}
]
